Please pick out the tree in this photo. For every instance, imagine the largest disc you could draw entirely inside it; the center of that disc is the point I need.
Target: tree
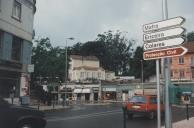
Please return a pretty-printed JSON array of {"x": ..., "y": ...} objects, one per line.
[
  {"x": 112, "y": 49},
  {"x": 49, "y": 61},
  {"x": 149, "y": 67},
  {"x": 190, "y": 36}
]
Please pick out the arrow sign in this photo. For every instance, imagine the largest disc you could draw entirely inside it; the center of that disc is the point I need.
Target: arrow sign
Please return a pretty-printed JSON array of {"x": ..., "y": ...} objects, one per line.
[
  {"x": 163, "y": 24},
  {"x": 170, "y": 52},
  {"x": 163, "y": 44},
  {"x": 163, "y": 34}
]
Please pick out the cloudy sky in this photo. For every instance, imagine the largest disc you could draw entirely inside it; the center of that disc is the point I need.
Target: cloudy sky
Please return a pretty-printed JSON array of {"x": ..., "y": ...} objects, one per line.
[{"x": 84, "y": 19}]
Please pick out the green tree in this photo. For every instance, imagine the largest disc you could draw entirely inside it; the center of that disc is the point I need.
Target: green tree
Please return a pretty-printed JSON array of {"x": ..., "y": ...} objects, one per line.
[
  {"x": 149, "y": 67},
  {"x": 49, "y": 61},
  {"x": 112, "y": 49},
  {"x": 190, "y": 36}
]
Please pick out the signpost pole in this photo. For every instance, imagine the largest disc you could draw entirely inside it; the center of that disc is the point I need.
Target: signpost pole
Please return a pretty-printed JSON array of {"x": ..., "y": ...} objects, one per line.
[
  {"x": 158, "y": 93},
  {"x": 168, "y": 123}
]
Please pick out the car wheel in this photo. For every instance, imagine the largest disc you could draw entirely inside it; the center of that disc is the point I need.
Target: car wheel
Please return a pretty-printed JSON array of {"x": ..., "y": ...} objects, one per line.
[
  {"x": 151, "y": 115},
  {"x": 130, "y": 116},
  {"x": 25, "y": 126}
]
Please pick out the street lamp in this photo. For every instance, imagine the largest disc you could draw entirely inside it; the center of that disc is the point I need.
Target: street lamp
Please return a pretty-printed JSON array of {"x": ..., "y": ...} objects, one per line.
[
  {"x": 142, "y": 75},
  {"x": 71, "y": 38}
]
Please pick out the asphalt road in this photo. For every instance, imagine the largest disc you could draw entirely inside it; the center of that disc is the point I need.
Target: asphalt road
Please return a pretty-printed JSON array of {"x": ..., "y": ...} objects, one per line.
[{"x": 103, "y": 116}]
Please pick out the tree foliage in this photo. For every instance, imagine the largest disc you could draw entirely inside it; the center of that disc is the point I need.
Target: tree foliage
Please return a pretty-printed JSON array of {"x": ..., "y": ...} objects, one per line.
[
  {"x": 190, "y": 36},
  {"x": 137, "y": 63},
  {"x": 49, "y": 61},
  {"x": 112, "y": 49}
]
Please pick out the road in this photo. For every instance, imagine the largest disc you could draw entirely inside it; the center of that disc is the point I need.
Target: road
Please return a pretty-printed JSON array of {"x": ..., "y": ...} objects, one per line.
[{"x": 103, "y": 116}]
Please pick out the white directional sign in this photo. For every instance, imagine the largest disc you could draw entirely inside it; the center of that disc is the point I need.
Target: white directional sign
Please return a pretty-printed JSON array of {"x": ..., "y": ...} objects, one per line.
[
  {"x": 163, "y": 24},
  {"x": 163, "y": 34},
  {"x": 163, "y": 44}
]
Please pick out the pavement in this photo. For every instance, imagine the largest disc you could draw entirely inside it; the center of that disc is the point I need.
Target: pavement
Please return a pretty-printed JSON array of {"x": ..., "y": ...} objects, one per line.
[{"x": 184, "y": 123}]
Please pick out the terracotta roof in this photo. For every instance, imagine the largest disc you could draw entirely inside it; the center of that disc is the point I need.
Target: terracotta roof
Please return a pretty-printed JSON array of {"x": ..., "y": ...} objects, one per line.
[
  {"x": 88, "y": 68},
  {"x": 78, "y": 57},
  {"x": 189, "y": 46}
]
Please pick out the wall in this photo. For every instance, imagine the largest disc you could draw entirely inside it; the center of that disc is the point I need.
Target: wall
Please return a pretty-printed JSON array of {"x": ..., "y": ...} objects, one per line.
[
  {"x": 23, "y": 28},
  {"x": 175, "y": 67}
]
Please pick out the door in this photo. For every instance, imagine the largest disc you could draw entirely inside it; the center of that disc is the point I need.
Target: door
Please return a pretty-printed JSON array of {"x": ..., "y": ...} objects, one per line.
[{"x": 95, "y": 96}]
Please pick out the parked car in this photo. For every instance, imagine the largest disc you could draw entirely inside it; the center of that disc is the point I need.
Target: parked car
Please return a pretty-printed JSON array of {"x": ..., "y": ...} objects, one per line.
[
  {"x": 12, "y": 116},
  {"x": 143, "y": 105}
]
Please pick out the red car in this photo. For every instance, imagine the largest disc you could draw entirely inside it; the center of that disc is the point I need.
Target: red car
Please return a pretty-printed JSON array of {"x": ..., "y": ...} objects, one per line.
[{"x": 143, "y": 105}]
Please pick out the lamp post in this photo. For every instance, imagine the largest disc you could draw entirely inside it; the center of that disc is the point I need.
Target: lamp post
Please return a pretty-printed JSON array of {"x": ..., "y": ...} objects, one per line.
[
  {"x": 71, "y": 38},
  {"x": 142, "y": 76}
]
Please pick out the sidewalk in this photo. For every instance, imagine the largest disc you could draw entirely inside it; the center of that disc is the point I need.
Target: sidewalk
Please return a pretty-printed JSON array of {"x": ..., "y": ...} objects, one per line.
[
  {"x": 49, "y": 108},
  {"x": 184, "y": 124}
]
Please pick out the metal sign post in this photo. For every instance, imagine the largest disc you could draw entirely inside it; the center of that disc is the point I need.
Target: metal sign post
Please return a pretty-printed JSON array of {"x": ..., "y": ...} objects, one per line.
[
  {"x": 158, "y": 93},
  {"x": 168, "y": 114}
]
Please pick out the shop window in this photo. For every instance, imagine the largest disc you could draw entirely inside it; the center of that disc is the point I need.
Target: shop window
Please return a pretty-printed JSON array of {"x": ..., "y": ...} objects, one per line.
[
  {"x": 0, "y": 43},
  {"x": 17, "y": 10},
  {"x": 181, "y": 60},
  {"x": 16, "y": 48}
]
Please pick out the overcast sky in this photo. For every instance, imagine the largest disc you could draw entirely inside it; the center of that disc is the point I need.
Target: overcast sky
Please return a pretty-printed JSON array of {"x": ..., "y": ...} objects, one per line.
[{"x": 84, "y": 19}]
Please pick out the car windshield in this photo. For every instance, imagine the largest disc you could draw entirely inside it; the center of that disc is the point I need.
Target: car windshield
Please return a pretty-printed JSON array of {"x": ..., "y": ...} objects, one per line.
[{"x": 138, "y": 99}]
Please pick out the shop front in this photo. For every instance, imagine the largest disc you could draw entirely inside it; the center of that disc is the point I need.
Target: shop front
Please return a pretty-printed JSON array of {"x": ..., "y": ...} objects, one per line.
[{"x": 109, "y": 93}]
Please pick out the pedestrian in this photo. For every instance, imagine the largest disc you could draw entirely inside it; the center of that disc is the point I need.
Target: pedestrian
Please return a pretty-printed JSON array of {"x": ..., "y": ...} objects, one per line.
[{"x": 12, "y": 94}]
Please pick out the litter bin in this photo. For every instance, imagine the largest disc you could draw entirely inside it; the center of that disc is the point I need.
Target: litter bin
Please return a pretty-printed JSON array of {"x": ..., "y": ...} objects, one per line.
[{"x": 25, "y": 100}]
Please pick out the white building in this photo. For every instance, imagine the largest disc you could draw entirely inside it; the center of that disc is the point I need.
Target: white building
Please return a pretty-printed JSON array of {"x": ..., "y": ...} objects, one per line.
[
  {"x": 83, "y": 68},
  {"x": 16, "y": 33}
]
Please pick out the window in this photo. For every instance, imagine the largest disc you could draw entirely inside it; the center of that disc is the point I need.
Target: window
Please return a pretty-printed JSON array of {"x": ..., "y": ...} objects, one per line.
[
  {"x": 171, "y": 73},
  {"x": 0, "y": 43},
  {"x": 16, "y": 48},
  {"x": 17, "y": 10},
  {"x": 170, "y": 59},
  {"x": 181, "y": 60},
  {"x": 93, "y": 74},
  {"x": 82, "y": 74},
  {"x": 181, "y": 74},
  {"x": 99, "y": 75},
  {"x": 192, "y": 61}
]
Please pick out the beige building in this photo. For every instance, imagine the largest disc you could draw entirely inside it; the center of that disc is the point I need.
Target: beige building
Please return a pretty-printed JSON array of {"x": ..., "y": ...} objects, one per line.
[{"x": 84, "y": 68}]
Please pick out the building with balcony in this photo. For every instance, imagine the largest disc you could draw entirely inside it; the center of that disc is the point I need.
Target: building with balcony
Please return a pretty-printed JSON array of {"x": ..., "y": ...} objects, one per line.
[
  {"x": 86, "y": 68},
  {"x": 182, "y": 68},
  {"x": 16, "y": 33}
]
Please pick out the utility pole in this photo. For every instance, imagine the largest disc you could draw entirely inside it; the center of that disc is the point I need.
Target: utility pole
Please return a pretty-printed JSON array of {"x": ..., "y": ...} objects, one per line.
[{"x": 168, "y": 120}]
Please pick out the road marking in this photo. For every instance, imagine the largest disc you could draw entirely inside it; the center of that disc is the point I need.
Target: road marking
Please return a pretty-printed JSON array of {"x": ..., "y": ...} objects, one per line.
[{"x": 85, "y": 116}]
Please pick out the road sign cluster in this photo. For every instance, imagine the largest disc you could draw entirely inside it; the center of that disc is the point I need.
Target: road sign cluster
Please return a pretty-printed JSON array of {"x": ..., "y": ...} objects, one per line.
[{"x": 163, "y": 39}]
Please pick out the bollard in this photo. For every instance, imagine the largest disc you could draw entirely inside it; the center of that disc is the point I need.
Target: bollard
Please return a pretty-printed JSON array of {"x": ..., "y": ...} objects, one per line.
[
  {"x": 124, "y": 116},
  {"x": 187, "y": 109}
]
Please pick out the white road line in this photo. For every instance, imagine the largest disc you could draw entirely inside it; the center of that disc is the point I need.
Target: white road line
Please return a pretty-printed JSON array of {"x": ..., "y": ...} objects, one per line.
[{"x": 86, "y": 116}]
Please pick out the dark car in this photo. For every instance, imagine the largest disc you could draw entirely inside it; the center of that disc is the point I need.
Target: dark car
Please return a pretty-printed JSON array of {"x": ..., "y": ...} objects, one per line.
[{"x": 12, "y": 116}]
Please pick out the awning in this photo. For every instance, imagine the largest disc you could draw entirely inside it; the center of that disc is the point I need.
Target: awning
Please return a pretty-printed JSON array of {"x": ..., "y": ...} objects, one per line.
[
  {"x": 86, "y": 90},
  {"x": 77, "y": 91}
]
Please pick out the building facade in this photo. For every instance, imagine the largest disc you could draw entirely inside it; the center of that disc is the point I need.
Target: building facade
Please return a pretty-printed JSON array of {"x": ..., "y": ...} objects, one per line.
[
  {"x": 182, "y": 68},
  {"x": 16, "y": 33},
  {"x": 84, "y": 68}
]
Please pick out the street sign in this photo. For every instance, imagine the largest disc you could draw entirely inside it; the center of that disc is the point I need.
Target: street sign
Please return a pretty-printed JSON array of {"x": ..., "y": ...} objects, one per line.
[
  {"x": 163, "y": 24},
  {"x": 163, "y": 34},
  {"x": 163, "y": 53},
  {"x": 31, "y": 68},
  {"x": 163, "y": 44}
]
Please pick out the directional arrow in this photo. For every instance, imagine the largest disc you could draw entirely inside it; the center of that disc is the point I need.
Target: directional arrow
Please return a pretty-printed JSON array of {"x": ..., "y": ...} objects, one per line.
[
  {"x": 163, "y": 34},
  {"x": 163, "y": 24},
  {"x": 163, "y": 44},
  {"x": 170, "y": 52}
]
